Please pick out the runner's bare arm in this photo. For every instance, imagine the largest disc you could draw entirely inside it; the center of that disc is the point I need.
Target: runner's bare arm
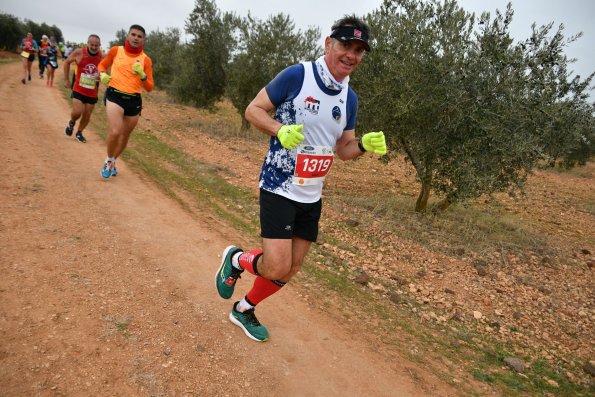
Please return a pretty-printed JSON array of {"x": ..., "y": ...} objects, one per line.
[
  {"x": 347, "y": 147},
  {"x": 258, "y": 113},
  {"x": 73, "y": 57}
]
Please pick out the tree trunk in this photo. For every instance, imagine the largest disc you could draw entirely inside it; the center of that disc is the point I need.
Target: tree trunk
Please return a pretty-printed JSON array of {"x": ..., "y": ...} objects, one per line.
[
  {"x": 425, "y": 176},
  {"x": 422, "y": 200}
]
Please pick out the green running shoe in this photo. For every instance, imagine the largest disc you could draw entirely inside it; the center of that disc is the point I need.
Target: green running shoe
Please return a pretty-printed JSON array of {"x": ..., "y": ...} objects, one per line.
[
  {"x": 227, "y": 275},
  {"x": 248, "y": 322}
]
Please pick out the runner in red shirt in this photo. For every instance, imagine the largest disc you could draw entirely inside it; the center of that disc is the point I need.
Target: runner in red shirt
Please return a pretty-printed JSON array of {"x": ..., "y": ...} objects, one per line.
[
  {"x": 28, "y": 49},
  {"x": 86, "y": 83}
]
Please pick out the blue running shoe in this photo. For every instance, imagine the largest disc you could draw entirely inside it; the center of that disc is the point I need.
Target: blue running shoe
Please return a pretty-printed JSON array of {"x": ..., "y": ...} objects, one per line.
[
  {"x": 114, "y": 170},
  {"x": 106, "y": 170},
  {"x": 248, "y": 322},
  {"x": 227, "y": 275}
]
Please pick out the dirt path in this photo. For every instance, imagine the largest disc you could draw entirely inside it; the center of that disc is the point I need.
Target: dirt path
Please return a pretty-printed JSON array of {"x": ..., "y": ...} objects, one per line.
[{"x": 107, "y": 286}]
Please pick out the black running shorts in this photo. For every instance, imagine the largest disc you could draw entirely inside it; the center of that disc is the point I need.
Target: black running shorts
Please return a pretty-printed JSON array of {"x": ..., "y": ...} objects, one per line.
[
  {"x": 282, "y": 218},
  {"x": 131, "y": 103},
  {"x": 84, "y": 98}
]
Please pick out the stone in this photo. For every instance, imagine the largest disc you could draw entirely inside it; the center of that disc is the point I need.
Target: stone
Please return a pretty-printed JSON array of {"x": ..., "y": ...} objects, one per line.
[
  {"x": 362, "y": 278},
  {"x": 589, "y": 368},
  {"x": 352, "y": 222},
  {"x": 394, "y": 297},
  {"x": 515, "y": 363}
]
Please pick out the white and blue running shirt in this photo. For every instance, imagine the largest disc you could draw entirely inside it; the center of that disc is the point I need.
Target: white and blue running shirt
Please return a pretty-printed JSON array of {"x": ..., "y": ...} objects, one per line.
[{"x": 300, "y": 97}]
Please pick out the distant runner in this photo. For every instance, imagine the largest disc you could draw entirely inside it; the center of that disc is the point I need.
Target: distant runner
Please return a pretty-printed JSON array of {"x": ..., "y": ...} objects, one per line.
[
  {"x": 131, "y": 71},
  {"x": 85, "y": 86},
  {"x": 42, "y": 55},
  {"x": 52, "y": 63},
  {"x": 28, "y": 49}
]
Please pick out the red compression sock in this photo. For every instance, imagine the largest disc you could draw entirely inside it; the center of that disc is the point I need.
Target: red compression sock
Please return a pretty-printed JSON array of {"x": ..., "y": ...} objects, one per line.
[
  {"x": 249, "y": 259},
  {"x": 262, "y": 289}
]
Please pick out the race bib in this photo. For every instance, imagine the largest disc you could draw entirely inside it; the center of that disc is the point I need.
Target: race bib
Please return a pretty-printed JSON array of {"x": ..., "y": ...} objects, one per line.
[
  {"x": 312, "y": 164},
  {"x": 87, "y": 81},
  {"x": 25, "y": 54}
]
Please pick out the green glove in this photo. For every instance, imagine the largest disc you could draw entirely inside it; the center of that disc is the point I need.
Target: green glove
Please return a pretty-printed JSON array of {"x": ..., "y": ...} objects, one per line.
[
  {"x": 374, "y": 142},
  {"x": 290, "y": 135},
  {"x": 105, "y": 78},
  {"x": 138, "y": 69}
]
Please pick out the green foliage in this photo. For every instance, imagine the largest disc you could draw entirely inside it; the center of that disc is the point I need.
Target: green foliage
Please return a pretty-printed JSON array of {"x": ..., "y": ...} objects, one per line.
[
  {"x": 39, "y": 30},
  {"x": 120, "y": 38},
  {"x": 200, "y": 79},
  {"x": 163, "y": 48},
  {"x": 12, "y": 31},
  {"x": 474, "y": 111},
  {"x": 264, "y": 49}
]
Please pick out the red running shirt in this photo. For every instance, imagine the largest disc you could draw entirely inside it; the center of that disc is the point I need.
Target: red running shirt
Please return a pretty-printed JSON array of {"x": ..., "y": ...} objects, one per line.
[{"x": 87, "y": 74}]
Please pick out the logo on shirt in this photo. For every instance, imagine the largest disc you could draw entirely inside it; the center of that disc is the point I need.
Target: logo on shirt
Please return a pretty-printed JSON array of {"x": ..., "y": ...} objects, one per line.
[
  {"x": 312, "y": 105},
  {"x": 90, "y": 69},
  {"x": 337, "y": 113}
]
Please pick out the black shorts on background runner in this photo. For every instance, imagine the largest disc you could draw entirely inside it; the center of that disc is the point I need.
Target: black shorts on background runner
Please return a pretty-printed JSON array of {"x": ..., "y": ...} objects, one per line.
[
  {"x": 83, "y": 98},
  {"x": 282, "y": 218}
]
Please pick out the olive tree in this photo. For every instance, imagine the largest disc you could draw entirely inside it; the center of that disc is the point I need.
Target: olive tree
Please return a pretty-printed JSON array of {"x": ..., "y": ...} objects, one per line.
[
  {"x": 200, "y": 78},
  {"x": 263, "y": 49},
  {"x": 12, "y": 32},
  {"x": 163, "y": 48},
  {"x": 474, "y": 111}
]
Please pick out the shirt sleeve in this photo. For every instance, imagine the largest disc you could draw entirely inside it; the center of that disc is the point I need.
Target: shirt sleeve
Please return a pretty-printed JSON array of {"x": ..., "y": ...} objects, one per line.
[
  {"x": 149, "y": 83},
  {"x": 286, "y": 85},
  {"x": 351, "y": 109},
  {"x": 108, "y": 60}
]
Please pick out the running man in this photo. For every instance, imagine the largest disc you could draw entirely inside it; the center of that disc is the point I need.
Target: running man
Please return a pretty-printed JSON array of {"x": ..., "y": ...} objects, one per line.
[
  {"x": 131, "y": 71},
  {"x": 43, "y": 54},
  {"x": 28, "y": 49},
  {"x": 314, "y": 117},
  {"x": 86, "y": 84}
]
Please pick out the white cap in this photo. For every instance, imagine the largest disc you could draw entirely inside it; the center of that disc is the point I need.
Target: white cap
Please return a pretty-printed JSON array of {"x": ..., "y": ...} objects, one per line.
[{"x": 44, "y": 37}]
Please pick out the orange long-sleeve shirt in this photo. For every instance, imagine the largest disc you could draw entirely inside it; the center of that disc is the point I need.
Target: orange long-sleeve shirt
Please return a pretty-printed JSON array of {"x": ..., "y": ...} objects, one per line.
[{"x": 123, "y": 78}]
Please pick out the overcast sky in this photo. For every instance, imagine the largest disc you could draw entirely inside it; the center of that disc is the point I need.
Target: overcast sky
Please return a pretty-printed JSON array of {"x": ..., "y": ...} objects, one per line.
[{"x": 78, "y": 19}]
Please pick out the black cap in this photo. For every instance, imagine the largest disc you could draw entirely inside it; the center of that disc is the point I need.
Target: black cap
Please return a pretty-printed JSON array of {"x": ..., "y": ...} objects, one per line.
[{"x": 346, "y": 33}]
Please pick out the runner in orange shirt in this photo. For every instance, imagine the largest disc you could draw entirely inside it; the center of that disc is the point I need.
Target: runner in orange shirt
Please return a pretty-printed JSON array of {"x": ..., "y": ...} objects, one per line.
[{"x": 131, "y": 71}]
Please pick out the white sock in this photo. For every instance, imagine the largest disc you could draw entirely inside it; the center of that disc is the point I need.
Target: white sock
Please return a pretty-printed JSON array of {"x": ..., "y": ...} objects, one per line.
[
  {"x": 242, "y": 306},
  {"x": 112, "y": 159},
  {"x": 235, "y": 260}
]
